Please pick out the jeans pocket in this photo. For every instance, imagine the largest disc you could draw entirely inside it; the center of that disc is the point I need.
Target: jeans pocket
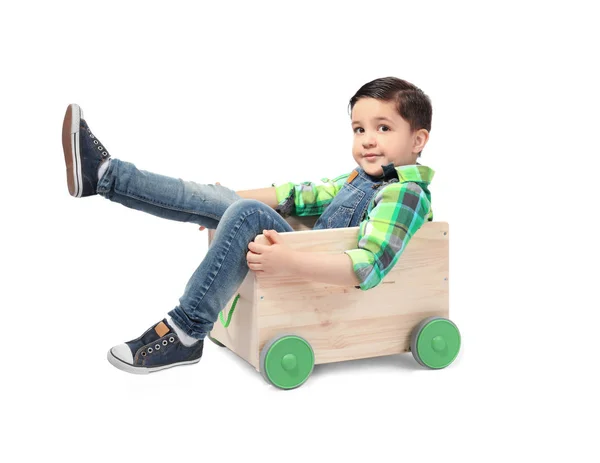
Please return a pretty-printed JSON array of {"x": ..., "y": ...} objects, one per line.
[{"x": 340, "y": 218}]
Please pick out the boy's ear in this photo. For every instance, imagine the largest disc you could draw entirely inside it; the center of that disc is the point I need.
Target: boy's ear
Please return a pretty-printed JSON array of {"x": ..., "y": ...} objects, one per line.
[{"x": 421, "y": 139}]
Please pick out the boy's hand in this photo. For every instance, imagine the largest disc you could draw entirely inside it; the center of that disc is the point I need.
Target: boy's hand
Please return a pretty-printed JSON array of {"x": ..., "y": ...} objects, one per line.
[
  {"x": 273, "y": 259},
  {"x": 201, "y": 227}
]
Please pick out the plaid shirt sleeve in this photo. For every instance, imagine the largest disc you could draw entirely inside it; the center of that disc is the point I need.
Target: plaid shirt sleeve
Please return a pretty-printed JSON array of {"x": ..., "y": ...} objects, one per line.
[
  {"x": 307, "y": 198},
  {"x": 398, "y": 212}
]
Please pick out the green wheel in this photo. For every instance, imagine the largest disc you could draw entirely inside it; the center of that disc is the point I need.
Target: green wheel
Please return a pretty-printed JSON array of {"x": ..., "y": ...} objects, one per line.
[
  {"x": 435, "y": 342},
  {"x": 215, "y": 341},
  {"x": 286, "y": 361}
]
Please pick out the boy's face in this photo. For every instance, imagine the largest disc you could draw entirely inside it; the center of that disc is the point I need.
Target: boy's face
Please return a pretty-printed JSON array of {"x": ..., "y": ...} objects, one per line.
[{"x": 390, "y": 138}]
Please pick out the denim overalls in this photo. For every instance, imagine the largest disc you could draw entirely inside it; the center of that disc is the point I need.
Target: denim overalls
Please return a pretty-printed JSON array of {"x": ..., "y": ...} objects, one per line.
[{"x": 349, "y": 206}]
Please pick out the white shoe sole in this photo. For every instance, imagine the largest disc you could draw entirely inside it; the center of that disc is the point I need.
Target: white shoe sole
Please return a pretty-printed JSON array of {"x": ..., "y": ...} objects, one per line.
[
  {"x": 121, "y": 365},
  {"x": 70, "y": 141}
]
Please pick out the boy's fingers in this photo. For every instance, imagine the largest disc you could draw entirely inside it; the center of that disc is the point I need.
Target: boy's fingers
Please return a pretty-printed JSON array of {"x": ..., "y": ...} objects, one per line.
[{"x": 254, "y": 247}]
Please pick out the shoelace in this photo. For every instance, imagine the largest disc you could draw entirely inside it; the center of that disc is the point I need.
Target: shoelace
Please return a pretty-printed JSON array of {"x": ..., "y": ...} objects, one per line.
[
  {"x": 157, "y": 346},
  {"x": 96, "y": 142}
]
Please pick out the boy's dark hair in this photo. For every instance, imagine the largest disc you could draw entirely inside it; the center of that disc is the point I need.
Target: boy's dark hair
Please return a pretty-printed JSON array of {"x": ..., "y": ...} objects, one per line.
[{"x": 411, "y": 103}]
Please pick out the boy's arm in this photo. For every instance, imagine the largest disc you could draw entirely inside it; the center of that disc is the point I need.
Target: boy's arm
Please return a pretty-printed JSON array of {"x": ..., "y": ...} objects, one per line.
[
  {"x": 325, "y": 268},
  {"x": 307, "y": 198},
  {"x": 399, "y": 211}
]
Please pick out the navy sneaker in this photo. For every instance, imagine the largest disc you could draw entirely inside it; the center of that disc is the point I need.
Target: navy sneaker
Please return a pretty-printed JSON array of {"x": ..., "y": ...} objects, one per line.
[
  {"x": 83, "y": 153},
  {"x": 157, "y": 349}
]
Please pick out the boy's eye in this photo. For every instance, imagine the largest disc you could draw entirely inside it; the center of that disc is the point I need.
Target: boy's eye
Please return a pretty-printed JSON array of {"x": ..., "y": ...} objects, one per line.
[{"x": 379, "y": 126}]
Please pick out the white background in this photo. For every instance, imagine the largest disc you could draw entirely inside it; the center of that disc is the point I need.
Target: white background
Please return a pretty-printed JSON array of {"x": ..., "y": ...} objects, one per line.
[{"x": 251, "y": 93}]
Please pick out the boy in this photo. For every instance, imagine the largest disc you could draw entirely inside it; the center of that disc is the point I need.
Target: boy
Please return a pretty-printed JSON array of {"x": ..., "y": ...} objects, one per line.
[{"x": 386, "y": 195}]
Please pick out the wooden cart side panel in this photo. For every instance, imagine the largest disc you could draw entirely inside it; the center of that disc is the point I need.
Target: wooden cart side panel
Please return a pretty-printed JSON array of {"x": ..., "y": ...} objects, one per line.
[{"x": 345, "y": 323}]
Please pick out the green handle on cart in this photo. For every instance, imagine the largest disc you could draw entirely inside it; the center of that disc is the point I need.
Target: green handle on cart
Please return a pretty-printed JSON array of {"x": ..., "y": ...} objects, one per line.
[{"x": 222, "y": 318}]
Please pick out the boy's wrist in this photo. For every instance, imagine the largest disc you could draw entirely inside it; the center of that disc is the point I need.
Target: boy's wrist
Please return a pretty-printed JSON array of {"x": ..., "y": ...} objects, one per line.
[{"x": 297, "y": 264}]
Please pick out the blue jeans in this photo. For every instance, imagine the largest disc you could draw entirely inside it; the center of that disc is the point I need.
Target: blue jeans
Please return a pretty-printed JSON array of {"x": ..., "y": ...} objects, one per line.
[{"x": 237, "y": 222}]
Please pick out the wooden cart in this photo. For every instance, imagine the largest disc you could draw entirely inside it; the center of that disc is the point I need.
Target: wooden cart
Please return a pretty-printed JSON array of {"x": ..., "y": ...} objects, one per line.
[{"x": 283, "y": 326}]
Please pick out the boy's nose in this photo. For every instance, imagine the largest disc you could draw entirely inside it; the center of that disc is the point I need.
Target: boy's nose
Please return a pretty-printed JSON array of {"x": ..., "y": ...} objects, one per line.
[{"x": 369, "y": 142}]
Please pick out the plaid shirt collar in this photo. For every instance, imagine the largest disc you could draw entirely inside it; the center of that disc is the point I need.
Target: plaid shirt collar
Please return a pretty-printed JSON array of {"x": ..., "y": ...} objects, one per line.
[{"x": 415, "y": 173}]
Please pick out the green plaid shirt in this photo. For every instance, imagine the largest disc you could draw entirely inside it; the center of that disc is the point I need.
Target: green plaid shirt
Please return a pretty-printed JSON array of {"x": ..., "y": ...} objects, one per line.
[{"x": 393, "y": 216}]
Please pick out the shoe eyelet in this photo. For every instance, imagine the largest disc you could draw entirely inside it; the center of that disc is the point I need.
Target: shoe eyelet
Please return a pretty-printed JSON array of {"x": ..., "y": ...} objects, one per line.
[
  {"x": 100, "y": 148},
  {"x": 149, "y": 350},
  {"x": 96, "y": 142},
  {"x": 157, "y": 346},
  {"x": 164, "y": 343},
  {"x": 171, "y": 339},
  {"x": 104, "y": 154},
  {"x": 143, "y": 354}
]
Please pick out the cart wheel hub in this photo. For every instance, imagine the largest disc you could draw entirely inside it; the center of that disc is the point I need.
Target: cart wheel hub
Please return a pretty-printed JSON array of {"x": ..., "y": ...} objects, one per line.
[
  {"x": 438, "y": 344},
  {"x": 289, "y": 362}
]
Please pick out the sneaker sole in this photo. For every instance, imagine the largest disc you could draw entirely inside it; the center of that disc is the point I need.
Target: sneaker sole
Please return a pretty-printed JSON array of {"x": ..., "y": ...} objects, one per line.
[
  {"x": 121, "y": 365},
  {"x": 70, "y": 142}
]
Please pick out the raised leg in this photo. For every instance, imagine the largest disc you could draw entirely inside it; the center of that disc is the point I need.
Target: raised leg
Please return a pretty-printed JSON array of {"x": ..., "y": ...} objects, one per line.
[{"x": 165, "y": 197}]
